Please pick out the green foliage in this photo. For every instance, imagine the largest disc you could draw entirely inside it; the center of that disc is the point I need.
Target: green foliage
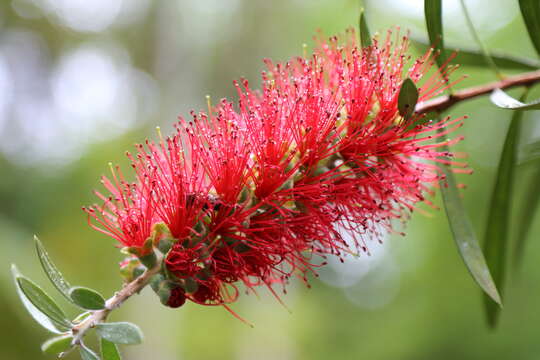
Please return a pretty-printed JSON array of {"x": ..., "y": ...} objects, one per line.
[
  {"x": 86, "y": 298},
  {"x": 109, "y": 350},
  {"x": 120, "y": 332},
  {"x": 496, "y": 237},
  {"x": 473, "y": 57},
  {"x": 407, "y": 98},
  {"x": 42, "y": 308},
  {"x": 433, "y": 15},
  {"x": 50, "y": 269},
  {"x": 57, "y": 344},
  {"x": 87, "y": 354},
  {"x": 365, "y": 36},
  {"x": 464, "y": 235},
  {"x": 530, "y": 10}
]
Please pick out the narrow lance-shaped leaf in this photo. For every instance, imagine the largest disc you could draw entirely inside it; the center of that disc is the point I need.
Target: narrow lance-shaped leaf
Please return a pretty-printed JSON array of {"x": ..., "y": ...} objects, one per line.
[
  {"x": 496, "y": 237},
  {"x": 109, "y": 350},
  {"x": 120, "y": 332},
  {"x": 530, "y": 10},
  {"x": 86, "y": 298},
  {"x": 479, "y": 41},
  {"x": 50, "y": 269},
  {"x": 528, "y": 208},
  {"x": 505, "y": 101},
  {"x": 464, "y": 235},
  {"x": 472, "y": 57},
  {"x": 433, "y": 15},
  {"x": 42, "y": 308},
  {"x": 56, "y": 345},
  {"x": 407, "y": 98},
  {"x": 87, "y": 354},
  {"x": 365, "y": 36}
]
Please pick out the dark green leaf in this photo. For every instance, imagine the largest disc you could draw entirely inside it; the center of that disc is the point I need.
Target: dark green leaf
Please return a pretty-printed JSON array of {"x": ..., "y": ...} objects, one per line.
[
  {"x": 496, "y": 237},
  {"x": 56, "y": 345},
  {"x": 120, "y": 332},
  {"x": 531, "y": 152},
  {"x": 50, "y": 269},
  {"x": 530, "y": 10},
  {"x": 433, "y": 15},
  {"x": 109, "y": 350},
  {"x": 365, "y": 37},
  {"x": 527, "y": 210},
  {"x": 505, "y": 101},
  {"x": 407, "y": 98},
  {"x": 86, "y": 298},
  {"x": 472, "y": 57},
  {"x": 483, "y": 48},
  {"x": 464, "y": 236},
  {"x": 42, "y": 308},
  {"x": 87, "y": 354}
]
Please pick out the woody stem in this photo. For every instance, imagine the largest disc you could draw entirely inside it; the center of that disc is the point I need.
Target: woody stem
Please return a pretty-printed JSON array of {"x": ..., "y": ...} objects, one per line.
[
  {"x": 442, "y": 103},
  {"x": 114, "y": 302}
]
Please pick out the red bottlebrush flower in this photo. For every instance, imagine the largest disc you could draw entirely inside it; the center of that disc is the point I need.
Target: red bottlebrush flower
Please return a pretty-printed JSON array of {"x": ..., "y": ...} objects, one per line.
[
  {"x": 259, "y": 194},
  {"x": 126, "y": 215}
]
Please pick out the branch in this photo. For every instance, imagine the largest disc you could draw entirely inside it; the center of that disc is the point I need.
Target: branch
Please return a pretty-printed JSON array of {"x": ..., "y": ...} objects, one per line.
[
  {"x": 444, "y": 102},
  {"x": 114, "y": 302}
]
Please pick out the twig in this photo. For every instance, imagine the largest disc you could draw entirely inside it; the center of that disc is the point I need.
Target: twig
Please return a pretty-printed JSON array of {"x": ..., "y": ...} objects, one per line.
[
  {"x": 444, "y": 102},
  {"x": 114, "y": 302}
]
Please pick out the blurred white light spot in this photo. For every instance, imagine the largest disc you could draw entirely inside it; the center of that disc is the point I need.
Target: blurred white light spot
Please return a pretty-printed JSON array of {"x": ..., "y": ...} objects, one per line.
[
  {"x": 377, "y": 289},
  {"x": 353, "y": 268},
  {"x": 85, "y": 15},
  {"x": 86, "y": 83}
]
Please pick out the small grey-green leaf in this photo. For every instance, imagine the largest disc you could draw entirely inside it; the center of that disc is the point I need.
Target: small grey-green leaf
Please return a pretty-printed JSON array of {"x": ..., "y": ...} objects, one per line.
[
  {"x": 42, "y": 308},
  {"x": 464, "y": 236},
  {"x": 40, "y": 318},
  {"x": 505, "y": 101},
  {"x": 120, "y": 332},
  {"x": 50, "y": 269},
  {"x": 530, "y": 10},
  {"x": 56, "y": 345},
  {"x": 86, "y": 298},
  {"x": 365, "y": 36},
  {"x": 87, "y": 354},
  {"x": 109, "y": 350},
  {"x": 407, "y": 98}
]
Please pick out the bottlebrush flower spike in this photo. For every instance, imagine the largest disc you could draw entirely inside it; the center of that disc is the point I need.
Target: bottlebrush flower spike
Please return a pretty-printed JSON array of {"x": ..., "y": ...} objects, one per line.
[{"x": 264, "y": 191}]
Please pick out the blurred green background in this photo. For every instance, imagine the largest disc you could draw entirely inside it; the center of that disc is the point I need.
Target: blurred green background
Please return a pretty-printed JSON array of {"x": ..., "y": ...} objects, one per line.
[{"x": 81, "y": 81}]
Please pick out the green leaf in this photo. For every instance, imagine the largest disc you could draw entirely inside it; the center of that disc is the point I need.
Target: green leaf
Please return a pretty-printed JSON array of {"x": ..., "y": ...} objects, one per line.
[
  {"x": 109, "y": 350},
  {"x": 496, "y": 237},
  {"x": 86, "y": 298},
  {"x": 120, "y": 332},
  {"x": 483, "y": 48},
  {"x": 472, "y": 57},
  {"x": 528, "y": 208},
  {"x": 50, "y": 269},
  {"x": 433, "y": 15},
  {"x": 530, "y": 10},
  {"x": 365, "y": 37},
  {"x": 42, "y": 308},
  {"x": 87, "y": 354},
  {"x": 56, "y": 345},
  {"x": 505, "y": 101},
  {"x": 464, "y": 235},
  {"x": 407, "y": 98}
]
